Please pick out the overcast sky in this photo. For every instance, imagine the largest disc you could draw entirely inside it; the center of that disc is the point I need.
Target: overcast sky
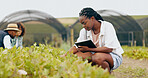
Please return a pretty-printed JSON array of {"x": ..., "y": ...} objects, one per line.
[{"x": 71, "y": 8}]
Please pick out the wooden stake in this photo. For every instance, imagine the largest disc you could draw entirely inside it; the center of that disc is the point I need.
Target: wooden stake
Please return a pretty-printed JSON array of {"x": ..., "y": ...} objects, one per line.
[{"x": 72, "y": 38}]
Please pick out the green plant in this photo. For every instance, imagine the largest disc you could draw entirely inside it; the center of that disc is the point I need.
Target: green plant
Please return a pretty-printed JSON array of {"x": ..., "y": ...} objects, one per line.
[
  {"x": 132, "y": 72},
  {"x": 136, "y": 52},
  {"x": 44, "y": 61}
]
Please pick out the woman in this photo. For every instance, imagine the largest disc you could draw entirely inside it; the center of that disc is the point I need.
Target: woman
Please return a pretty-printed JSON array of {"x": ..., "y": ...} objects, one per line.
[
  {"x": 102, "y": 33},
  {"x": 7, "y": 35},
  {"x": 19, "y": 37}
]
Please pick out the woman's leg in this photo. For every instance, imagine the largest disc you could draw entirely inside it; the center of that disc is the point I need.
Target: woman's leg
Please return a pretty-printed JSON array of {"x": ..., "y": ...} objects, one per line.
[
  {"x": 106, "y": 65},
  {"x": 103, "y": 59}
]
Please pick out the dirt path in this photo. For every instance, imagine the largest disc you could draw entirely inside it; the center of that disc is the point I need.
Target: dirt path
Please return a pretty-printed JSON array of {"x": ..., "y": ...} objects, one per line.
[{"x": 130, "y": 66}]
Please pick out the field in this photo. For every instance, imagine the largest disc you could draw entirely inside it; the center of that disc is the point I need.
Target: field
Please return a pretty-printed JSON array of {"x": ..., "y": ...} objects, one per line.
[
  {"x": 44, "y": 61},
  {"x": 135, "y": 60},
  {"x": 139, "y": 16},
  {"x": 38, "y": 27},
  {"x": 67, "y": 21}
]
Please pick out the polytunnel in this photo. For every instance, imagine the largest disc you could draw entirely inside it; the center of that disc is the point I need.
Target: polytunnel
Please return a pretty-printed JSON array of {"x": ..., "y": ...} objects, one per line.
[
  {"x": 25, "y": 16},
  {"x": 144, "y": 24}
]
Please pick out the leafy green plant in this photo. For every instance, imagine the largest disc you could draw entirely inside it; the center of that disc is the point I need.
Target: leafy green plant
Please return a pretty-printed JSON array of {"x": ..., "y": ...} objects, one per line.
[
  {"x": 136, "y": 52},
  {"x": 44, "y": 61}
]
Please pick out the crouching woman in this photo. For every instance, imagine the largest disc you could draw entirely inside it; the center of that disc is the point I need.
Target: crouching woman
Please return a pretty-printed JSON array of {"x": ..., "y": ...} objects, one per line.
[{"x": 108, "y": 53}]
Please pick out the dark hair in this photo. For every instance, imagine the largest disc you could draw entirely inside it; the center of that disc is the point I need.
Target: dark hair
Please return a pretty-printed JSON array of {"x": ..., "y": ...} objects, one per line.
[
  {"x": 22, "y": 28},
  {"x": 89, "y": 12}
]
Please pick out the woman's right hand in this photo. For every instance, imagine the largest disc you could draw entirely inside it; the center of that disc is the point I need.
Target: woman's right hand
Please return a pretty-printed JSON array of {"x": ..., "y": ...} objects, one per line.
[
  {"x": 63, "y": 55},
  {"x": 83, "y": 49},
  {"x": 73, "y": 50}
]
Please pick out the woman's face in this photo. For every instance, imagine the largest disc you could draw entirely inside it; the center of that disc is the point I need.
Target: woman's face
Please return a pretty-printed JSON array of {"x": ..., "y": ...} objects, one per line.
[
  {"x": 19, "y": 32},
  {"x": 86, "y": 22},
  {"x": 12, "y": 33}
]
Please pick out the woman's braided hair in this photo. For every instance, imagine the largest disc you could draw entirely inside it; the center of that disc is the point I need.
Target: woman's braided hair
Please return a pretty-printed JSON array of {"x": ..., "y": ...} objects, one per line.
[{"x": 89, "y": 12}]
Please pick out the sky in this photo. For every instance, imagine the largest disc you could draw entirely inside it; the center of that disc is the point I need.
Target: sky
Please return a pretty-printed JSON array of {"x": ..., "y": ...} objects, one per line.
[{"x": 71, "y": 8}]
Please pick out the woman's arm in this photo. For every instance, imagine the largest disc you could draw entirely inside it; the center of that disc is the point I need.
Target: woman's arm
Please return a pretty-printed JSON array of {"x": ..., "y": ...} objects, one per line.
[
  {"x": 71, "y": 50},
  {"x": 100, "y": 49},
  {"x": 7, "y": 42}
]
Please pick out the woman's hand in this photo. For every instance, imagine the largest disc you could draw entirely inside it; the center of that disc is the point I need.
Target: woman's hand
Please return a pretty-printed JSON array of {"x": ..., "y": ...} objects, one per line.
[
  {"x": 83, "y": 48},
  {"x": 63, "y": 55}
]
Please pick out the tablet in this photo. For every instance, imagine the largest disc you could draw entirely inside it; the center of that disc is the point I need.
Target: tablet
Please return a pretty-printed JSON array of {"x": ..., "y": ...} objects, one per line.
[{"x": 87, "y": 43}]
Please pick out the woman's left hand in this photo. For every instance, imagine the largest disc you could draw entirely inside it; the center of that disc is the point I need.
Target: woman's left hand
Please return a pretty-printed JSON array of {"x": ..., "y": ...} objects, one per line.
[{"x": 83, "y": 48}]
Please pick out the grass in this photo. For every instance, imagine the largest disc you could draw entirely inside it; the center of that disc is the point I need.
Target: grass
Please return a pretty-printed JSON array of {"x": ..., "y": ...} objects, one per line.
[
  {"x": 39, "y": 28},
  {"x": 129, "y": 72},
  {"x": 67, "y": 21},
  {"x": 139, "y": 16},
  {"x": 38, "y": 32}
]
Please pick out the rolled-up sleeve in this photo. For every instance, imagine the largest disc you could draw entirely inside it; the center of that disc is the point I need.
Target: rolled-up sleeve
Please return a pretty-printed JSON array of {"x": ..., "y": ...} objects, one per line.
[
  {"x": 111, "y": 40},
  {"x": 82, "y": 35}
]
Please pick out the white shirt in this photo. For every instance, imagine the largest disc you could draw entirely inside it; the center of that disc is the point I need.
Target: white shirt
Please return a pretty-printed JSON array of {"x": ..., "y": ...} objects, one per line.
[
  {"x": 107, "y": 37},
  {"x": 7, "y": 42},
  {"x": 19, "y": 42}
]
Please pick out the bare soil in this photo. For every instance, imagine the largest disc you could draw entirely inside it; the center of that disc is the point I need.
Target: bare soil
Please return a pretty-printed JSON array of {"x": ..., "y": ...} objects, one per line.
[{"x": 132, "y": 63}]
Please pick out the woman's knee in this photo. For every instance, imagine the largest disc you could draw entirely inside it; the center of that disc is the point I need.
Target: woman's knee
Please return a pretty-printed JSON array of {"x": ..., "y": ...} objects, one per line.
[
  {"x": 102, "y": 59},
  {"x": 105, "y": 65},
  {"x": 97, "y": 58}
]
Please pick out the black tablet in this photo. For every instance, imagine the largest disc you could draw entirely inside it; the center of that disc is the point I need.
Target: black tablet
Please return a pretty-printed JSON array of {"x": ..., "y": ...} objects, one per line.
[{"x": 87, "y": 43}]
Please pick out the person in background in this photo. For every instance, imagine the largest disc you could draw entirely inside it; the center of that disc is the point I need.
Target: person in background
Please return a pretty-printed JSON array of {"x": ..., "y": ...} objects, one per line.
[
  {"x": 108, "y": 53},
  {"x": 7, "y": 35},
  {"x": 18, "y": 40}
]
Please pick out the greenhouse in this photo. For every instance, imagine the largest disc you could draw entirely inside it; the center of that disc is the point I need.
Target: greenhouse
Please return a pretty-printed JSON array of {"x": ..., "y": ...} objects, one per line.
[
  {"x": 39, "y": 25},
  {"x": 129, "y": 31},
  {"x": 144, "y": 24}
]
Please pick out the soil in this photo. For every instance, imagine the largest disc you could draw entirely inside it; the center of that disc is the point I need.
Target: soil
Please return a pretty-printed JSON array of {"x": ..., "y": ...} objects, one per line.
[{"x": 129, "y": 62}]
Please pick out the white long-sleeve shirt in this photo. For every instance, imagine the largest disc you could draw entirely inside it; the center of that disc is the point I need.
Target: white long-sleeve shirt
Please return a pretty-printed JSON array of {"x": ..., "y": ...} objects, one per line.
[
  {"x": 107, "y": 37},
  {"x": 19, "y": 42},
  {"x": 7, "y": 42}
]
